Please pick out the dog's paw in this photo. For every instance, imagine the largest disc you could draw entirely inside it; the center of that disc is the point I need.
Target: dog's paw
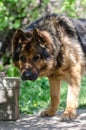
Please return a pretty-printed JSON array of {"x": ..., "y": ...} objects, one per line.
[
  {"x": 47, "y": 113},
  {"x": 68, "y": 116}
]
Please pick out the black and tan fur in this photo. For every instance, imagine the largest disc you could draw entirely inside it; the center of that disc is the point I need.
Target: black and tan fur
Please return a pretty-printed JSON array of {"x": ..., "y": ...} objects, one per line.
[{"x": 53, "y": 46}]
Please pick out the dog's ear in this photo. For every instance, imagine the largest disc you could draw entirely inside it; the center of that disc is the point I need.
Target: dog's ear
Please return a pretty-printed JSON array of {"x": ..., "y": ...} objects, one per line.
[
  {"x": 16, "y": 44},
  {"x": 19, "y": 35},
  {"x": 43, "y": 38},
  {"x": 38, "y": 35}
]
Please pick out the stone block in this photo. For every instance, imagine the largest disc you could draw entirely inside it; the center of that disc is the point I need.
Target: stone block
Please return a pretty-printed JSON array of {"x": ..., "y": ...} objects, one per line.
[{"x": 9, "y": 93}]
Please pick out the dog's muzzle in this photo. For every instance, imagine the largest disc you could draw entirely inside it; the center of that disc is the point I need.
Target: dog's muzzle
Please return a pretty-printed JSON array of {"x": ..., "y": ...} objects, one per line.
[{"x": 29, "y": 75}]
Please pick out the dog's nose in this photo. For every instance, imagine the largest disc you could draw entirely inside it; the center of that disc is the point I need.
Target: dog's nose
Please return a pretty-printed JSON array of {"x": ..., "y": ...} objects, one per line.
[{"x": 29, "y": 75}]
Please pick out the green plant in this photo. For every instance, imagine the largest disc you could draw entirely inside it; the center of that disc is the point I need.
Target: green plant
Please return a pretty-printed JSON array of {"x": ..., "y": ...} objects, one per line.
[
  {"x": 35, "y": 96},
  {"x": 15, "y": 13},
  {"x": 1, "y": 67},
  {"x": 12, "y": 71},
  {"x": 69, "y": 7}
]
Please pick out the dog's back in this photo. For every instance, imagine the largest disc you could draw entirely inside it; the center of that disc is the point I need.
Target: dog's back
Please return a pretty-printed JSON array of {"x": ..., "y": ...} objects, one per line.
[{"x": 80, "y": 25}]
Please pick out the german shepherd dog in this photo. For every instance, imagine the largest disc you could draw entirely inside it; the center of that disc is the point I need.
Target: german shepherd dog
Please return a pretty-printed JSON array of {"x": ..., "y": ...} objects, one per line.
[{"x": 53, "y": 46}]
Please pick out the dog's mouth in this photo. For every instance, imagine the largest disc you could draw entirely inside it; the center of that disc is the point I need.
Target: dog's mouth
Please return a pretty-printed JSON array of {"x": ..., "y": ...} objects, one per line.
[{"x": 29, "y": 75}]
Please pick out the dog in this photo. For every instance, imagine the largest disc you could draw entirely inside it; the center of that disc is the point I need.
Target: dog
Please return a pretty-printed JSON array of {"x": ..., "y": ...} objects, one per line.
[{"x": 53, "y": 46}]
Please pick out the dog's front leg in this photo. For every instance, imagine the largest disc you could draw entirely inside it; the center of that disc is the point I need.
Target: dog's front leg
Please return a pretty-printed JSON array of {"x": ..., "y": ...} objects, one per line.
[
  {"x": 73, "y": 93},
  {"x": 55, "y": 97}
]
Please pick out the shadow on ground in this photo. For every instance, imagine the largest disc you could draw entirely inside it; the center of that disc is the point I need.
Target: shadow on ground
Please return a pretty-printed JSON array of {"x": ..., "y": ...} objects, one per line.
[{"x": 35, "y": 122}]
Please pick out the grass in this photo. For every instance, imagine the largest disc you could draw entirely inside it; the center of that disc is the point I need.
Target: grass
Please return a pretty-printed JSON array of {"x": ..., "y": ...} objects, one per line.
[
  {"x": 35, "y": 96},
  {"x": 82, "y": 99}
]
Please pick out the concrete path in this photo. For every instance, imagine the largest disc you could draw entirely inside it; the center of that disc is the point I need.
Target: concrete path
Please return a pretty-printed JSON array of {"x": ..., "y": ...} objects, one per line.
[{"x": 35, "y": 122}]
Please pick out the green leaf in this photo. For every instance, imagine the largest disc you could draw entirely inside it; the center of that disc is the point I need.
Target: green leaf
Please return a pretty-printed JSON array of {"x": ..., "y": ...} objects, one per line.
[{"x": 12, "y": 71}]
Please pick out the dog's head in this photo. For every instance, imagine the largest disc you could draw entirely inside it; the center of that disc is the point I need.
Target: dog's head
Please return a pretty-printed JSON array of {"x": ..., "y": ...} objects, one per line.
[{"x": 32, "y": 53}]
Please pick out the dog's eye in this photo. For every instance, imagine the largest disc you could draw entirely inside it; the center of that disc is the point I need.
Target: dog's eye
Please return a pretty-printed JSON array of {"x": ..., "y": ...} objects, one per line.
[
  {"x": 36, "y": 57},
  {"x": 23, "y": 58}
]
